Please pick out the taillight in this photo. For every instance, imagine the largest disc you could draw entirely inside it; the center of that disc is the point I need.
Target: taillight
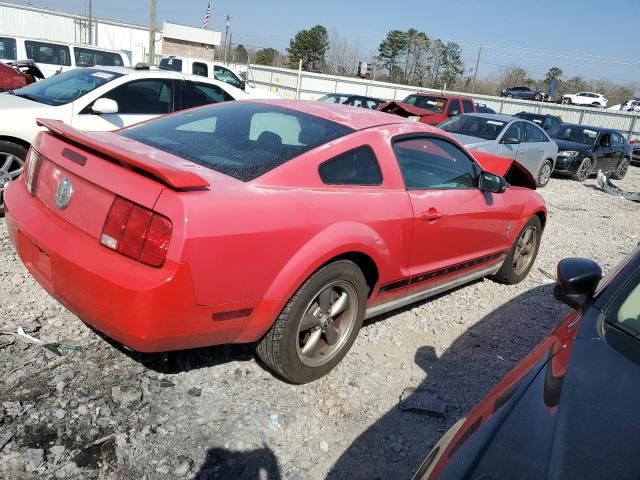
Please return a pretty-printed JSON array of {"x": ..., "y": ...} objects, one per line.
[
  {"x": 31, "y": 167},
  {"x": 137, "y": 232}
]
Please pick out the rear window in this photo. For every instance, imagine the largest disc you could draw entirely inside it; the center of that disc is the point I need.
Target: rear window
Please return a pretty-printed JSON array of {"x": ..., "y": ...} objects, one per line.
[
  {"x": 7, "y": 48},
  {"x": 241, "y": 139},
  {"x": 171, "y": 64},
  {"x": 87, "y": 57},
  {"x": 435, "y": 104}
]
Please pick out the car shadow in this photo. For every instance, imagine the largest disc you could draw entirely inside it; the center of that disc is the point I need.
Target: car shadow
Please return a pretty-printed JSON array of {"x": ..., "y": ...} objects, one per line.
[
  {"x": 259, "y": 464},
  {"x": 461, "y": 376}
]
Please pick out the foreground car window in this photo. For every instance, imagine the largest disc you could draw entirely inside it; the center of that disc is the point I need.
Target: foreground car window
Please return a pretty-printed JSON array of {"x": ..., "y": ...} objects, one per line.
[
  {"x": 66, "y": 87},
  {"x": 474, "y": 126},
  {"x": 624, "y": 312},
  {"x": 356, "y": 167},
  {"x": 431, "y": 163},
  {"x": 241, "y": 139}
]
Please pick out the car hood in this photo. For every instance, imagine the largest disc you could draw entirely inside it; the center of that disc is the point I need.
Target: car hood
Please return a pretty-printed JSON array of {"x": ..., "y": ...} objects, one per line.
[
  {"x": 474, "y": 142},
  {"x": 14, "y": 102},
  {"x": 406, "y": 110},
  {"x": 567, "y": 145}
]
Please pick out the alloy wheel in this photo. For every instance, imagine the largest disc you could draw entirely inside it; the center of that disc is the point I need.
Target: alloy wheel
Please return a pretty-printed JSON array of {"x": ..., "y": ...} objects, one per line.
[
  {"x": 584, "y": 169},
  {"x": 545, "y": 174},
  {"x": 525, "y": 250},
  {"x": 10, "y": 169},
  {"x": 327, "y": 323},
  {"x": 621, "y": 171}
]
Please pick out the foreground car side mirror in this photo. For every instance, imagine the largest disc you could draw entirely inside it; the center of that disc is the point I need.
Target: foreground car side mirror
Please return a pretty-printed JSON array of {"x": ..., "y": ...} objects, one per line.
[
  {"x": 492, "y": 183},
  {"x": 577, "y": 279},
  {"x": 510, "y": 141},
  {"x": 104, "y": 106}
]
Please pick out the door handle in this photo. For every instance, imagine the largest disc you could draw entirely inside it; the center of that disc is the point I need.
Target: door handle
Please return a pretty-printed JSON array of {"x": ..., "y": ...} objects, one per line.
[{"x": 430, "y": 215}]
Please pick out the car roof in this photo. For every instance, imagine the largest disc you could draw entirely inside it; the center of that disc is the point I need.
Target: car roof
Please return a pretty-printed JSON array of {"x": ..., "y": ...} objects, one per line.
[
  {"x": 354, "y": 117},
  {"x": 436, "y": 94},
  {"x": 597, "y": 129},
  {"x": 494, "y": 116}
]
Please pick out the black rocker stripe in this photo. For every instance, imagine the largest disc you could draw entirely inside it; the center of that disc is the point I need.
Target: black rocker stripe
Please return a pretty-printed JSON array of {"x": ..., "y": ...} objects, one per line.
[{"x": 427, "y": 276}]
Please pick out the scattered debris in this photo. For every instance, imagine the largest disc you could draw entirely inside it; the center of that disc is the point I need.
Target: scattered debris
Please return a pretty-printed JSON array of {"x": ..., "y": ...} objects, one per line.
[
  {"x": 6, "y": 438},
  {"x": 422, "y": 400},
  {"x": 195, "y": 391}
]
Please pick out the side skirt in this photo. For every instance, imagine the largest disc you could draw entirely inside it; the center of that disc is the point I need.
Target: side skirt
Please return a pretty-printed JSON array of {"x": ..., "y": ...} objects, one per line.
[{"x": 430, "y": 292}]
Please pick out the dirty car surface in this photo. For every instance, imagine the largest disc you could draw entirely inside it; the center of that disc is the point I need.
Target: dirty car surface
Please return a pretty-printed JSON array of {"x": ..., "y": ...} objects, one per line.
[{"x": 281, "y": 222}]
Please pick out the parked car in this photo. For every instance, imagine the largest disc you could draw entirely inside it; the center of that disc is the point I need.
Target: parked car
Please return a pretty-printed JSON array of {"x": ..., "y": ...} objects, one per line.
[
  {"x": 585, "y": 150},
  {"x": 573, "y": 395},
  {"x": 635, "y": 145},
  {"x": 524, "y": 93},
  {"x": 585, "y": 98},
  {"x": 628, "y": 106},
  {"x": 483, "y": 108},
  {"x": 347, "y": 213},
  {"x": 216, "y": 70},
  {"x": 55, "y": 57},
  {"x": 96, "y": 99},
  {"x": 544, "y": 121},
  {"x": 353, "y": 100},
  {"x": 509, "y": 137},
  {"x": 428, "y": 108},
  {"x": 18, "y": 74}
]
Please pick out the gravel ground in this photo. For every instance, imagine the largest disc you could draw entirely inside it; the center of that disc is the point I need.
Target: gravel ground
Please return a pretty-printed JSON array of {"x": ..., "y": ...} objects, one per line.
[{"x": 82, "y": 407}]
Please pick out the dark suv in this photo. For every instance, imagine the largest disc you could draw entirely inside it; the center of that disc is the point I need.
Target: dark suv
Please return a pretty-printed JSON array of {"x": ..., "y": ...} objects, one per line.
[
  {"x": 544, "y": 121},
  {"x": 524, "y": 93}
]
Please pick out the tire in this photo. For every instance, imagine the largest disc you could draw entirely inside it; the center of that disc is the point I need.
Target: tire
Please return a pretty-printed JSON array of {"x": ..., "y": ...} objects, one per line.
[
  {"x": 596, "y": 104},
  {"x": 622, "y": 169},
  {"x": 544, "y": 174},
  {"x": 538, "y": 97},
  {"x": 584, "y": 170},
  {"x": 512, "y": 271},
  {"x": 12, "y": 158},
  {"x": 566, "y": 101},
  {"x": 282, "y": 349},
  {"x": 509, "y": 95}
]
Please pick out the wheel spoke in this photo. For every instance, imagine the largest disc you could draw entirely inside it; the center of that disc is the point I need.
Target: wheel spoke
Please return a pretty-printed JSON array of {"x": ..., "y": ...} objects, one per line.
[
  {"x": 7, "y": 162},
  {"x": 312, "y": 342},
  {"x": 526, "y": 237},
  {"x": 324, "y": 299},
  {"x": 309, "y": 321},
  {"x": 340, "y": 305},
  {"x": 16, "y": 173},
  {"x": 332, "y": 334}
]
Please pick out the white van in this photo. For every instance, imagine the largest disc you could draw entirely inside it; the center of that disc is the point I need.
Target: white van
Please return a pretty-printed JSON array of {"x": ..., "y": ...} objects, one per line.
[
  {"x": 218, "y": 71},
  {"x": 53, "y": 57}
]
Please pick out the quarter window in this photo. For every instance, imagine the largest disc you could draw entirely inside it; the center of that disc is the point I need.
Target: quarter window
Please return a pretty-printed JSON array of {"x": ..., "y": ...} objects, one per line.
[
  {"x": 433, "y": 163},
  {"x": 49, "y": 53},
  {"x": 454, "y": 107},
  {"x": 467, "y": 106},
  {"x": 143, "y": 97},
  {"x": 356, "y": 167},
  {"x": 8, "y": 48},
  {"x": 533, "y": 134}
]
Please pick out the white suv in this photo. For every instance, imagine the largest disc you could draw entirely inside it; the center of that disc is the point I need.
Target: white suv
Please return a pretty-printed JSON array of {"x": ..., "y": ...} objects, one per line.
[
  {"x": 586, "y": 98},
  {"x": 97, "y": 99}
]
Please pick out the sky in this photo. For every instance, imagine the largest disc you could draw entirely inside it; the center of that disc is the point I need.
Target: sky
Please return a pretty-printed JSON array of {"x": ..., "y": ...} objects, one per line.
[{"x": 586, "y": 38}]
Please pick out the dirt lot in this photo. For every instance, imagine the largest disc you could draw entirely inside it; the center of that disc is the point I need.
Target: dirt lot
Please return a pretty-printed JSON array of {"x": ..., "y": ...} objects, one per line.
[{"x": 81, "y": 407}]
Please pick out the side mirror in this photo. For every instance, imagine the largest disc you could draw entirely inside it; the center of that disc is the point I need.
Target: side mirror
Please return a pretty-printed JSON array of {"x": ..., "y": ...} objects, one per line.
[
  {"x": 577, "y": 279},
  {"x": 104, "y": 106},
  {"x": 243, "y": 85},
  {"x": 510, "y": 141},
  {"x": 453, "y": 113},
  {"x": 492, "y": 183}
]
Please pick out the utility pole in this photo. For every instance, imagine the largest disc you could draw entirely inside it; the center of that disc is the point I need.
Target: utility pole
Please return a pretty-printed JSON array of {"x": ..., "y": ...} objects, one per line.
[
  {"x": 90, "y": 24},
  {"x": 153, "y": 22},
  {"x": 231, "y": 54},
  {"x": 475, "y": 72},
  {"x": 226, "y": 38}
]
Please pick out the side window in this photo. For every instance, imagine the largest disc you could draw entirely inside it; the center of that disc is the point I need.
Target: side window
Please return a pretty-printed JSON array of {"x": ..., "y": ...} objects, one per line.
[
  {"x": 8, "y": 48},
  {"x": 605, "y": 140},
  {"x": 516, "y": 130},
  {"x": 356, "y": 102},
  {"x": 50, "y": 53},
  {"x": 196, "y": 94},
  {"x": 200, "y": 69},
  {"x": 454, "y": 107},
  {"x": 617, "y": 139},
  {"x": 624, "y": 310},
  {"x": 533, "y": 134},
  {"x": 227, "y": 76},
  {"x": 433, "y": 163},
  {"x": 143, "y": 97},
  {"x": 467, "y": 106},
  {"x": 356, "y": 167},
  {"x": 370, "y": 104},
  {"x": 86, "y": 57}
]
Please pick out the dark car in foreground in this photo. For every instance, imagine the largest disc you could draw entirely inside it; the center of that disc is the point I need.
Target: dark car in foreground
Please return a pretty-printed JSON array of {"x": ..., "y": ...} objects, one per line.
[
  {"x": 523, "y": 93},
  {"x": 354, "y": 100},
  {"x": 585, "y": 150},
  {"x": 569, "y": 409},
  {"x": 545, "y": 121}
]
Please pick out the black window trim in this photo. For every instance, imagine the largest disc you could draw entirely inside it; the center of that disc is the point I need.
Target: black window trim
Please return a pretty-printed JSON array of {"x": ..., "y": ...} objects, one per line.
[
  {"x": 411, "y": 136},
  {"x": 172, "y": 107},
  {"x": 362, "y": 185}
]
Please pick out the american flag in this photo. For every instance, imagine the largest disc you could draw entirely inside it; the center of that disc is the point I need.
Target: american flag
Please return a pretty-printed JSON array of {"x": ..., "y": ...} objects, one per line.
[{"x": 207, "y": 16}]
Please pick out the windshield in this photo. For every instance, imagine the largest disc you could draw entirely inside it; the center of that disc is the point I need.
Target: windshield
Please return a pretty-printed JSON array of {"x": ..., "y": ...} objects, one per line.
[
  {"x": 481, "y": 127},
  {"x": 435, "y": 104},
  {"x": 66, "y": 87},
  {"x": 241, "y": 139},
  {"x": 574, "y": 133},
  {"x": 333, "y": 98}
]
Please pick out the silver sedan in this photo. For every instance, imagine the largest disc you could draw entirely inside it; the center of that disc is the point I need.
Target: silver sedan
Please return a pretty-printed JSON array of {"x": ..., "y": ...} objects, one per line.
[{"x": 507, "y": 136}]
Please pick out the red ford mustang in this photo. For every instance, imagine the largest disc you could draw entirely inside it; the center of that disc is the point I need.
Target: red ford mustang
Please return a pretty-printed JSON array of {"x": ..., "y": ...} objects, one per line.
[{"x": 281, "y": 222}]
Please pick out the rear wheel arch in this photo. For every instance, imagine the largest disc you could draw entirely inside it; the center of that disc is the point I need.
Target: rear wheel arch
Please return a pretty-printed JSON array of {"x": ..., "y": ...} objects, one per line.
[
  {"x": 18, "y": 141},
  {"x": 542, "y": 216},
  {"x": 364, "y": 262}
]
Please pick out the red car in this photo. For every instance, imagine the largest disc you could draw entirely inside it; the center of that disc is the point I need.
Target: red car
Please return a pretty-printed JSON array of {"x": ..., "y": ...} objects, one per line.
[
  {"x": 285, "y": 223},
  {"x": 430, "y": 108},
  {"x": 18, "y": 74}
]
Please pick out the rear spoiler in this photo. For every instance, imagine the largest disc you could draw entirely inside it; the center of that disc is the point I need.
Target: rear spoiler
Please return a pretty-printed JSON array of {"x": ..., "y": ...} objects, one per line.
[{"x": 105, "y": 144}]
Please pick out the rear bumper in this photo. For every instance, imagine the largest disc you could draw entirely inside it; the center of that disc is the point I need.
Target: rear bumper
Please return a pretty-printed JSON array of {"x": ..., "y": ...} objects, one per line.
[{"x": 147, "y": 309}]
